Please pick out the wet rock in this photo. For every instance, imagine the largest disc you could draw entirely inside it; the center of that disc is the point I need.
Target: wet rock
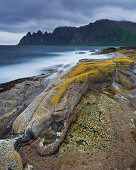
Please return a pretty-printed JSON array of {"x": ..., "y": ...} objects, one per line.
[
  {"x": 92, "y": 50},
  {"x": 67, "y": 65},
  {"x": 81, "y": 52},
  {"x": 107, "y": 50},
  {"x": 9, "y": 158},
  {"x": 50, "y": 70},
  {"x": 15, "y": 96}
]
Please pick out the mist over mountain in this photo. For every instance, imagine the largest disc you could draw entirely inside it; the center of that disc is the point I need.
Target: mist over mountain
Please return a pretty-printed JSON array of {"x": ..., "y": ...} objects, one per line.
[{"x": 101, "y": 32}]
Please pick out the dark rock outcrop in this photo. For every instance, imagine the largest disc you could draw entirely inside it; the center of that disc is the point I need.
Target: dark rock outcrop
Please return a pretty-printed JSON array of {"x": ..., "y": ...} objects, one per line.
[{"x": 107, "y": 50}]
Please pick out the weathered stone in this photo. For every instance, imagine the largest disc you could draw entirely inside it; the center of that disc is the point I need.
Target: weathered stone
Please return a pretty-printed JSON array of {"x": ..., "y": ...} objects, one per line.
[
  {"x": 15, "y": 96},
  {"x": 49, "y": 116},
  {"x": 55, "y": 105},
  {"x": 107, "y": 50},
  {"x": 99, "y": 137},
  {"x": 9, "y": 158}
]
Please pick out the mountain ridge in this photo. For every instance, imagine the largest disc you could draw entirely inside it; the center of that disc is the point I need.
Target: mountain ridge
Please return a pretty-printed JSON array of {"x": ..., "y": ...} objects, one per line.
[{"x": 101, "y": 32}]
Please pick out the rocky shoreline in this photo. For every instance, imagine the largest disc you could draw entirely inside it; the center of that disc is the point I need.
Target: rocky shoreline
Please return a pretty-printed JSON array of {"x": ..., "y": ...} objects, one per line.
[
  {"x": 82, "y": 119},
  {"x": 16, "y": 95}
]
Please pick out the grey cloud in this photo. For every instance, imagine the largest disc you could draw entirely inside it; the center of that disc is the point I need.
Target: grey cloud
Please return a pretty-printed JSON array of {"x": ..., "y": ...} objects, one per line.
[{"x": 31, "y": 15}]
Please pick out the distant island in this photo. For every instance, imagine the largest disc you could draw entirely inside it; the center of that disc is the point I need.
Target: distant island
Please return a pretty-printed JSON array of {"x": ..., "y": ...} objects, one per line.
[{"x": 101, "y": 32}]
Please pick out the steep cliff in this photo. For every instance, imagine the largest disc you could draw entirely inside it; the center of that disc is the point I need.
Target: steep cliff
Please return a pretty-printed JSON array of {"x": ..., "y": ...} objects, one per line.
[{"x": 101, "y": 32}]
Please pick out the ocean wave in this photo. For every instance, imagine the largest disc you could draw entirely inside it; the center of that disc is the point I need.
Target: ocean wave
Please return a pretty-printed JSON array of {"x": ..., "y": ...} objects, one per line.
[{"x": 35, "y": 66}]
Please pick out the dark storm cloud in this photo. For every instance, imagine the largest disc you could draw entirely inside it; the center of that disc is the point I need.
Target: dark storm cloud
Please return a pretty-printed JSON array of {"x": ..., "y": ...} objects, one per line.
[{"x": 31, "y": 15}]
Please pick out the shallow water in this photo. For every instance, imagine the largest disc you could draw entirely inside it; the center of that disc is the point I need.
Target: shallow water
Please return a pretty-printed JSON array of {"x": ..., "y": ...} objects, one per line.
[{"x": 24, "y": 61}]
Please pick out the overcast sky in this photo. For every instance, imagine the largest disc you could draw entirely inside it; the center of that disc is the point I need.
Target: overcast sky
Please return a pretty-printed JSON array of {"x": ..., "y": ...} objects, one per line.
[{"x": 17, "y": 17}]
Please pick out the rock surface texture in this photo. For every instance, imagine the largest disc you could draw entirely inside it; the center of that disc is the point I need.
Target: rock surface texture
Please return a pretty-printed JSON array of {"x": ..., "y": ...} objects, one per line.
[
  {"x": 15, "y": 96},
  {"x": 84, "y": 119},
  {"x": 9, "y": 158}
]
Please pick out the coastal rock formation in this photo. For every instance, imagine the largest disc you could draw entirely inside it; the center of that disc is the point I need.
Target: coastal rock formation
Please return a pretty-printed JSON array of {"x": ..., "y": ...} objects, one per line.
[
  {"x": 99, "y": 137},
  {"x": 15, "y": 96},
  {"x": 53, "y": 104},
  {"x": 52, "y": 109},
  {"x": 89, "y": 109},
  {"x": 107, "y": 50}
]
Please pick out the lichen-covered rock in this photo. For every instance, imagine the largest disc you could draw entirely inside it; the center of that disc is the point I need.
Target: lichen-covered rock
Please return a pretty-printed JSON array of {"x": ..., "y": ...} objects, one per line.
[
  {"x": 108, "y": 50},
  {"x": 50, "y": 139},
  {"x": 9, "y": 158},
  {"x": 15, "y": 96},
  {"x": 100, "y": 122},
  {"x": 55, "y": 105},
  {"x": 99, "y": 137},
  {"x": 23, "y": 120}
]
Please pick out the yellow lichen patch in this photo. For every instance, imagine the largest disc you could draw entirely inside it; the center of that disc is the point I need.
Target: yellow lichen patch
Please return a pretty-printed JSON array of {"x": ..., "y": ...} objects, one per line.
[
  {"x": 92, "y": 70},
  {"x": 71, "y": 70},
  {"x": 95, "y": 70},
  {"x": 122, "y": 61},
  {"x": 18, "y": 126},
  {"x": 127, "y": 74},
  {"x": 61, "y": 89},
  {"x": 40, "y": 111},
  {"x": 123, "y": 80},
  {"x": 122, "y": 50},
  {"x": 133, "y": 57},
  {"x": 88, "y": 66}
]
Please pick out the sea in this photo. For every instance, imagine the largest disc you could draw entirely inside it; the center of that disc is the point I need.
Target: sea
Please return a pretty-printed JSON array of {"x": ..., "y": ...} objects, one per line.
[{"x": 25, "y": 61}]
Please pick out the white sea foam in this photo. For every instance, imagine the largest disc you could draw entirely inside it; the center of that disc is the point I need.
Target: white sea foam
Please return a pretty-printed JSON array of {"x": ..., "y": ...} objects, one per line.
[{"x": 34, "y": 67}]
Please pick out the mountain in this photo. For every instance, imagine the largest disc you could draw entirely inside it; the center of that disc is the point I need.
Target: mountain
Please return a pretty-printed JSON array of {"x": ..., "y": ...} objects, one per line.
[{"x": 101, "y": 32}]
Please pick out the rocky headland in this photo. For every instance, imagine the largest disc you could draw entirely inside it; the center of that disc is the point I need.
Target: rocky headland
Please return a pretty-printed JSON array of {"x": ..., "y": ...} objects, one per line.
[
  {"x": 85, "y": 118},
  {"x": 102, "y": 32}
]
